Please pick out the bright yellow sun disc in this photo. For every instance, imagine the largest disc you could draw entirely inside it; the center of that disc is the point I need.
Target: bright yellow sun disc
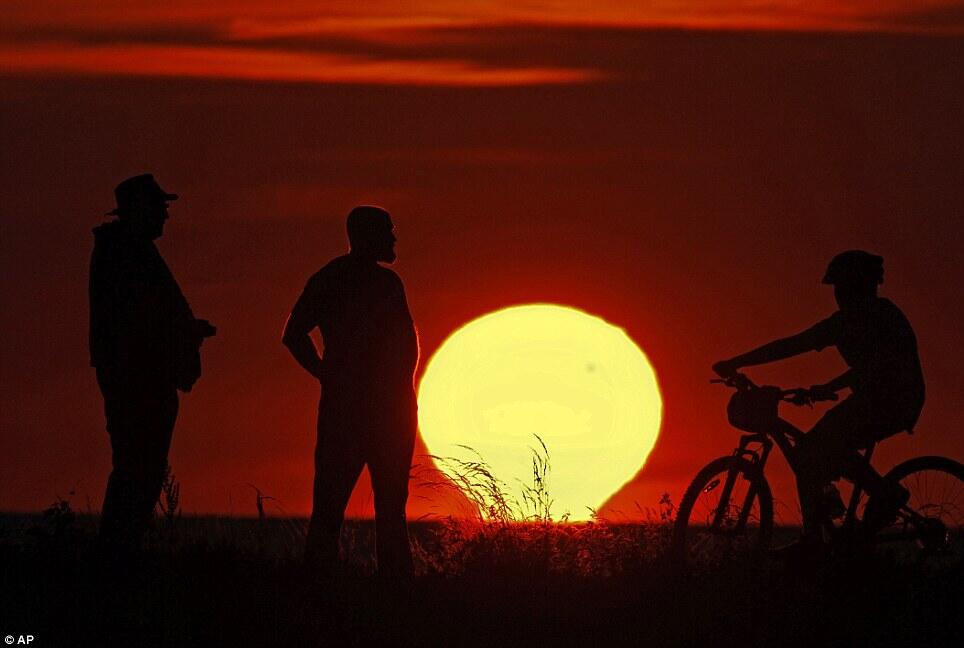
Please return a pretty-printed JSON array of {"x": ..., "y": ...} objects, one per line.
[{"x": 576, "y": 381}]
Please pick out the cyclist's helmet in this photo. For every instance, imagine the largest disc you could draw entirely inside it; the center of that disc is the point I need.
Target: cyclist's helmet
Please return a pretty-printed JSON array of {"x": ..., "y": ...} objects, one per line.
[{"x": 855, "y": 267}]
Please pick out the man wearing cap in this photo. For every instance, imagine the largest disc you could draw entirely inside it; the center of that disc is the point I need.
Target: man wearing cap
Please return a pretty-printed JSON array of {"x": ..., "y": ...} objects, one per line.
[
  {"x": 885, "y": 378},
  {"x": 145, "y": 346},
  {"x": 367, "y": 413}
]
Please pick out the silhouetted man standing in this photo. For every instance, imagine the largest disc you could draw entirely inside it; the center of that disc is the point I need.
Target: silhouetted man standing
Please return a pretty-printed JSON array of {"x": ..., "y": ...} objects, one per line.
[
  {"x": 145, "y": 345},
  {"x": 367, "y": 413}
]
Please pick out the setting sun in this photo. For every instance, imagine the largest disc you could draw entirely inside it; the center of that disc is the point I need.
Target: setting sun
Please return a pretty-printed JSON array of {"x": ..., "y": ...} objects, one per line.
[{"x": 579, "y": 383}]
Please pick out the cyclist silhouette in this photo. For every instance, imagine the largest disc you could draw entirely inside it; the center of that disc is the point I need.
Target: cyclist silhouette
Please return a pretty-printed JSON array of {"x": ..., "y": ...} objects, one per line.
[{"x": 878, "y": 344}]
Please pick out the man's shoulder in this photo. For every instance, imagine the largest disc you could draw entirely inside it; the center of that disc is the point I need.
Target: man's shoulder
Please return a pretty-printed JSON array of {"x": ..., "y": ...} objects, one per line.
[
  {"x": 885, "y": 305},
  {"x": 119, "y": 255},
  {"x": 824, "y": 333},
  {"x": 331, "y": 270},
  {"x": 891, "y": 312},
  {"x": 389, "y": 274},
  {"x": 832, "y": 320},
  {"x": 109, "y": 237},
  {"x": 345, "y": 269}
]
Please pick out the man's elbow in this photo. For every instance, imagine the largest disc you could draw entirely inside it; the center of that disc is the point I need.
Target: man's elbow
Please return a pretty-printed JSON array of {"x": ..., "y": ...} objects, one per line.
[
  {"x": 290, "y": 334},
  {"x": 290, "y": 338}
]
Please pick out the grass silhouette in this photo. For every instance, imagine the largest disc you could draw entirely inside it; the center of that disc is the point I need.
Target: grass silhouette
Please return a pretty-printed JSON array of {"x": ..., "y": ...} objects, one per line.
[{"x": 510, "y": 574}]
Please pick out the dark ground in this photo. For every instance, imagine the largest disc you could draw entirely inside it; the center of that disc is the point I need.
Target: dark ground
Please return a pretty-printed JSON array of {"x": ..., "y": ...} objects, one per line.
[{"x": 218, "y": 581}]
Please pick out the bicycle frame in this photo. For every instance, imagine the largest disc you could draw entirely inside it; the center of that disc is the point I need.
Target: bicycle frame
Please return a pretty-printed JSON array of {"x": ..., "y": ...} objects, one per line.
[{"x": 758, "y": 457}]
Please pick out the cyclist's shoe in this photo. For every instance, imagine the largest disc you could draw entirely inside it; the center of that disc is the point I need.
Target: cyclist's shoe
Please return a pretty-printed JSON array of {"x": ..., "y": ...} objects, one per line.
[
  {"x": 882, "y": 509},
  {"x": 832, "y": 503},
  {"x": 933, "y": 536}
]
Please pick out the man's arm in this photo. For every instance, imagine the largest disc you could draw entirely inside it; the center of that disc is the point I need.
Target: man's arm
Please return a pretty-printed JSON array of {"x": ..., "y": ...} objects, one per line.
[
  {"x": 191, "y": 331},
  {"x": 842, "y": 381},
  {"x": 410, "y": 334},
  {"x": 771, "y": 352},
  {"x": 822, "y": 334},
  {"x": 296, "y": 334}
]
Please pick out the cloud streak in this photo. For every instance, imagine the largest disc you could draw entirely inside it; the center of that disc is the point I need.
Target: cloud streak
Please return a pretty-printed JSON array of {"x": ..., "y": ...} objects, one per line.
[
  {"x": 393, "y": 42},
  {"x": 220, "y": 62},
  {"x": 249, "y": 18}
]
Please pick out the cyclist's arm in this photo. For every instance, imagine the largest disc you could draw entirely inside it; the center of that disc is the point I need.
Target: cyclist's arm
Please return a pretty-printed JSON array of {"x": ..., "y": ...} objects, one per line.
[
  {"x": 820, "y": 335},
  {"x": 773, "y": 351},
  {"x": 842, "y": 381},
  {"x": 828, "y": 391}
]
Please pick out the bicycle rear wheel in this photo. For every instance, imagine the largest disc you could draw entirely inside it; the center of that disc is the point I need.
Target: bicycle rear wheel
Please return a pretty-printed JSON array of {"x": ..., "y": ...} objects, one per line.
[
  {"x": 936, "y": 486},
  {"x": 726, "y": 512}
]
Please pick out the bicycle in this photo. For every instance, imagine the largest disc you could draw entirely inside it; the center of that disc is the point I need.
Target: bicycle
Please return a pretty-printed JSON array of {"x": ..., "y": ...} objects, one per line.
[{"x": 728, "y": 508}]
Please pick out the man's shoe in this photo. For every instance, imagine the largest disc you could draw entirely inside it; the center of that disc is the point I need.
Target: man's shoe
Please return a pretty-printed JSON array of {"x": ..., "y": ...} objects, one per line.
[
  {"x": 882, "y": 509},
  {"x": 832, "y": 503}
]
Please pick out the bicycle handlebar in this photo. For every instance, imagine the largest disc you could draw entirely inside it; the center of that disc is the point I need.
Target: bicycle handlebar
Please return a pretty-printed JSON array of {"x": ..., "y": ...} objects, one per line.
[
  {"x": 797, "y": 396},
  {"x": 736, "y": 380}
]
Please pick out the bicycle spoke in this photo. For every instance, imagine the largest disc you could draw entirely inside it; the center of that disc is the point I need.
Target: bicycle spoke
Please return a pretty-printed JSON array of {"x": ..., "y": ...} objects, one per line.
[
  {"x": 725, "y": 519},
  {"x": 930, "y": 526}
]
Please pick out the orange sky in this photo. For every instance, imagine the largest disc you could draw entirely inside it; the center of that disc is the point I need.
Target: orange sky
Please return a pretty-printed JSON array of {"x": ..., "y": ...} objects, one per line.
[
  {"x": 386, "y": 41},
  {"x": 686, "y": 185}
]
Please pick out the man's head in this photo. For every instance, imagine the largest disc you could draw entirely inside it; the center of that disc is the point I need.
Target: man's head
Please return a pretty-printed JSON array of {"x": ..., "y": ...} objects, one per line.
[
  {"x": 142, "y": 205},
  {"x": 371, "y": 233},
  {"x": 854, "y": 275}
]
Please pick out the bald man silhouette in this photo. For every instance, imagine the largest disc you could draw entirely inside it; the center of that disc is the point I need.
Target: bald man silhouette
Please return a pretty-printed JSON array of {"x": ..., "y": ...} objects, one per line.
[{"x": 367, "y": 413}]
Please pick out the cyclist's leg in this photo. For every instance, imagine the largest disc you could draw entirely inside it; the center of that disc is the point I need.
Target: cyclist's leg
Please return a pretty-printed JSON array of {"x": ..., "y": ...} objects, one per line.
[
  {"x": 821, "y": 455},
  {"x": 858, "y": 470},
  {"x": 890, "y": 496},
  {"x": 779, "y": 426}
]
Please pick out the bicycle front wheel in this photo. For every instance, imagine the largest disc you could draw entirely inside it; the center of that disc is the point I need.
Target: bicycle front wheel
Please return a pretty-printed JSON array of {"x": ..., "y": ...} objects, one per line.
[
  {"x": 726, "y": 512},
  {"x": 936, "y": 486}
]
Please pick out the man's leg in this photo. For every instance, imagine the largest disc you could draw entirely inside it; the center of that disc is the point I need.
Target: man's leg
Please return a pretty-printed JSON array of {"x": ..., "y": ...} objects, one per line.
[
  {"x": 820, "y": 456},
  {"x": 338, "y": 463},
  {"x": 118, "y": 506},
  {"x": 390, "y": 463},
  {"x": 118, "y": 510},
  {"x": 140, "y": 422},
  {"x": 887, "y": 497},
  {"x": 161, "y": 407}
]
